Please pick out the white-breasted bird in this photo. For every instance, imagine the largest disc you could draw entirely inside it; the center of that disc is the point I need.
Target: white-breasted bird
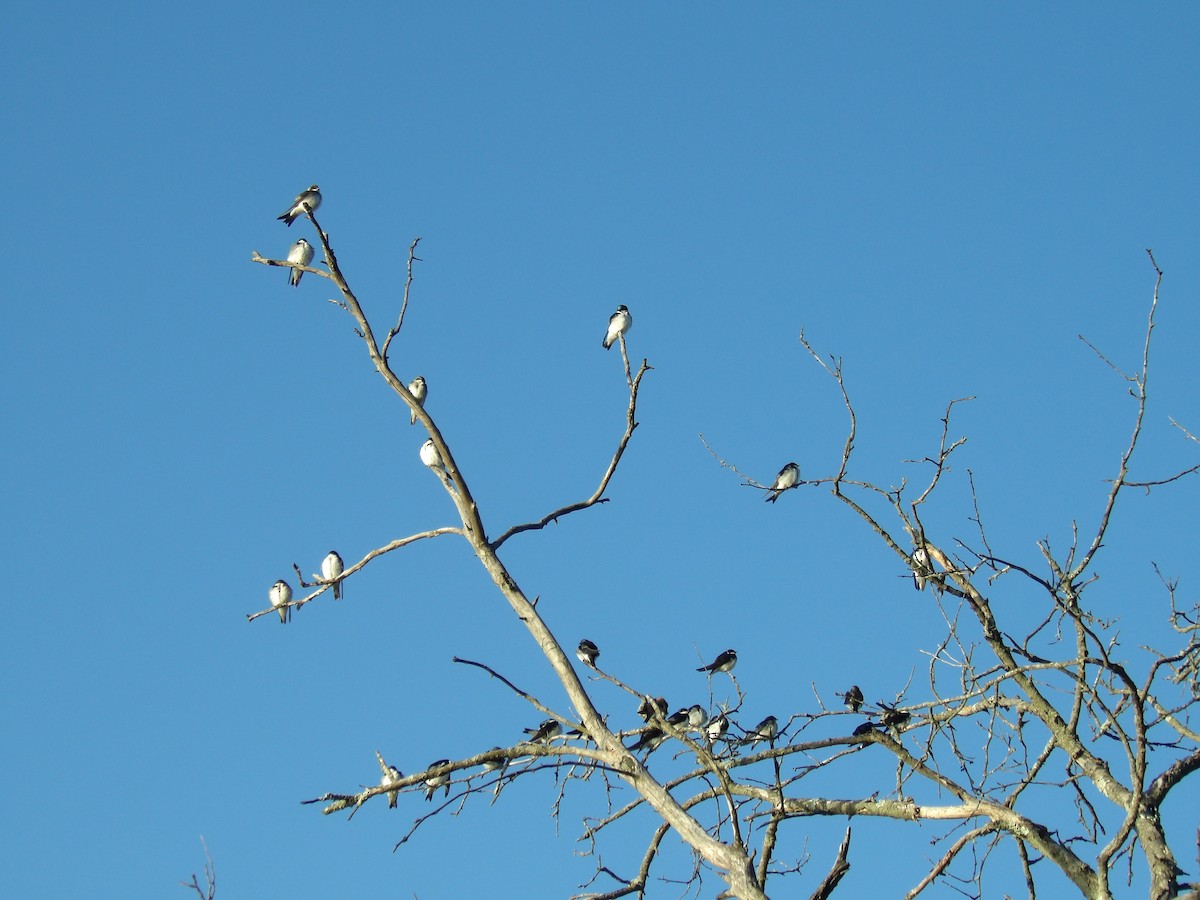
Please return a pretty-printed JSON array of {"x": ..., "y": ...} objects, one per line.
[
  {"x": 922, "y": 570},
  {"x": 649, "y": 705},
  {"x": 420, "y": 390},
  {"x": 697, "y": 717},
  {"x": 310, "y": 198},
  {"x": 587, "y": 653},
  {"x": 332, "y": 567},
  {"x": 853, "y": 698},
  {"x": 766, "y": 730},
  {"x": 430, "y": 455},
  {"x": 433, "y": 782},
  {"x": 650, "y": 740},
  {"x": 281, "y": 596},
  {"x": 551, "y": 728},
  {"x": 787, "y": 478},
  {"x": 724, "y": 662},
  {"x": 301, "y": 254},
  {"x": 494, "y": 764},
  {"x": 717, "y": 726},
  {"x": 391, "y": 775},
  {"x": 619, "y": 323}
]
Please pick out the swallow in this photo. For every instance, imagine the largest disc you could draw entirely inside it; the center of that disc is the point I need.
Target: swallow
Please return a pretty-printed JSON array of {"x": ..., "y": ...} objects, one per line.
[
  {"x": 788, "y": 477},
  {"x": 433, "y": 782},
  {"x": 853, "y": 698},
  {"x": 281, "y": 596},
  {"x": 551, "y": 728},
  {"x": 893, "y": 718},
  {"x": 301, "y": 254},
  {"x": 587, "y": 652},
  {"x": 391, "y": 775},
  {"x": 493, "y": 764},
  {"x": 650, "y": 741},
  {"x": 717, "y": 726},
  {"x": 697, "y": 717},
  {"x": 724, "y": 662},
  {"x": 649, "y": 704},
  {"x": 922, "y": 570},
  {"x": 309, "y": 199},
  {"x": 419, "y": 390},
  {"x": 431, "y": 457},
  {"x": 863, "y": 730},
  {"x": 331, "y": 569},
  {"x": 679, "y": 717},
  {"x": 766, "y": 730},
  {"x": 619, "y": 323}
]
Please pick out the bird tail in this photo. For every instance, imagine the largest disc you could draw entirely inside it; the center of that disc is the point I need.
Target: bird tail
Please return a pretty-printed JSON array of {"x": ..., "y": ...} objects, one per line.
[
  {"x": 607, "y": 342},
  {"x": 288, "y": 218},
  {"x": 296, "y": 276},
  {"x": 772, "y": 497}
]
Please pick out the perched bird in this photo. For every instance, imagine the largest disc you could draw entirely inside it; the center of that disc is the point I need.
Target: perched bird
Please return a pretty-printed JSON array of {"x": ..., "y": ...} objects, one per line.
[
  {"x": 787, "y": 478},
  {"x": 717, "y": 726},
  {"x": 649, "y": 704},
  {"x": 431, "y": 457},
  {"x": 281, "y": 596},
  {"x": 863, "y": 730},
  {"x": 618, "y": 324},
  {"x": 679, "y": 717},
  {"x": 551, "y": 728},
  {"x": 587, "y": 652},
  {"x": 697, "y": 717},
  {"x": 391, "y": 775},
  {"x": 310, "y": 198},
  {"x": 650, "y": 741},
  {"x": 433, "y": 782},
  {"x": 493, "y": 764},
  {"x": 332, "y": 567},
  {"x": 724, "y": 662},
  {"x": 853, "y": 698},
  {"x": 420, "y": 390},
  {"x": 301, "y": 254},
  {"x": 922, "y": 570},
  {"x": 893, "y": 718},
  {"x": 766, "y": 730}
]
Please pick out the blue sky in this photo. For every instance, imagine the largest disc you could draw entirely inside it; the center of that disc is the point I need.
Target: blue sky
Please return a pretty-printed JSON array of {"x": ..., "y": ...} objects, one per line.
[{"x": 944, "y": 196}]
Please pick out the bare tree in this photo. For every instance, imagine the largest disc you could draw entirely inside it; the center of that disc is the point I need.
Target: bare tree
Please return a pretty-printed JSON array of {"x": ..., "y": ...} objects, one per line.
[{"x": 1034, "y": 733}]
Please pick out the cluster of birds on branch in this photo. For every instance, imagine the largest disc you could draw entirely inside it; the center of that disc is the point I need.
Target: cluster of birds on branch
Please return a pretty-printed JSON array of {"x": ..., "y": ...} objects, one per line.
[
  {"x": 692, "y": 718},
  {"x": 652, "y": 711}
]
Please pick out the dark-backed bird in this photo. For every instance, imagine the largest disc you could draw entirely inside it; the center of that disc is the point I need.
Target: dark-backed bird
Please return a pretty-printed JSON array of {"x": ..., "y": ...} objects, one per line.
[
  {"x": 310, "y": 198},
  {"x": 433, "y": 782},
  {"x": 420, "y": 390},
  {"x": 301, "y": 254},
  {"x": 788, "y": 477},
  {"x": 543, "y": 733},
  {"x": 619, "y": 323},
  {"x": 893, "y": 718},
  {"x": 853, "y": 698},
  {"x": 649, "y": 741},
  {"x": 648, "y": 705},
  {"x": 717, "y": 726},
  {"x": 766, "y": 730},
  {"x": 724, "y": 662},
  {"x": 332, "y": 568},
  {"x": 281, "y": 596},
  {"x": 391, "y": 775},
  {"x": 587, "y": 653}
]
